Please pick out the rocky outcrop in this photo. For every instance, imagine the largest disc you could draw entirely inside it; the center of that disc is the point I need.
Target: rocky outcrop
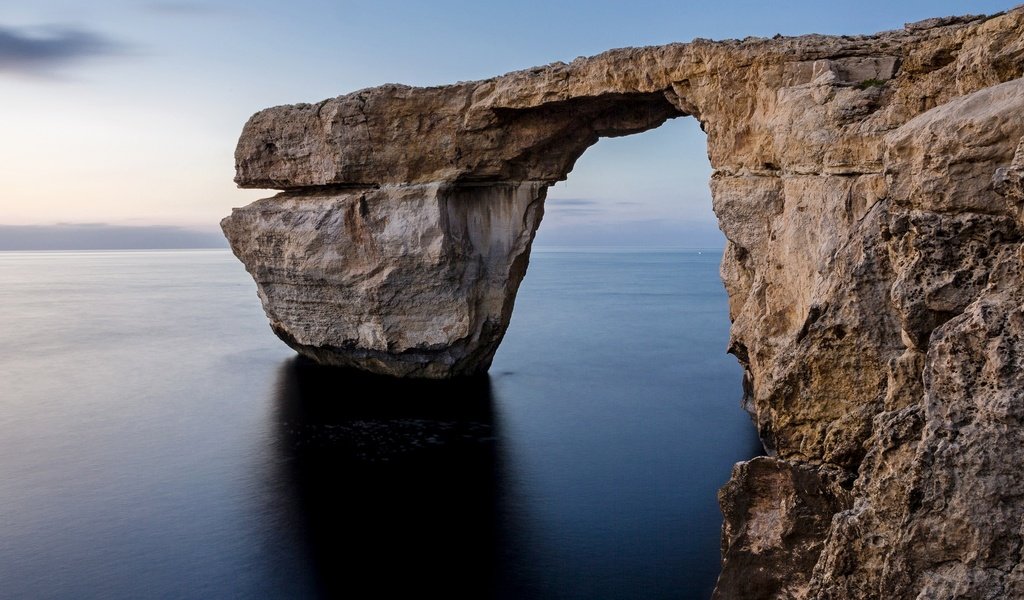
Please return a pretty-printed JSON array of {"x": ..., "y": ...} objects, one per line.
[
  {"x": 414, "y": 280},
  {"x": 871, "y": 192},
  {"x": 777, "y": 515}
]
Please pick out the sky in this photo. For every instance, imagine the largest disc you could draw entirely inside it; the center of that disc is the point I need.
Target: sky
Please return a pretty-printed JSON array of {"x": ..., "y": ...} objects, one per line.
[{"x": 126, "y": 113}]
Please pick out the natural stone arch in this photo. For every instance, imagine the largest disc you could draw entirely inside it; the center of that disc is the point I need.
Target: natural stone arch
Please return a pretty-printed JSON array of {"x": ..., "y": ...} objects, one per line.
[
  {"x": 423, "y": 274},
  {"x": 868, "y": 187}
]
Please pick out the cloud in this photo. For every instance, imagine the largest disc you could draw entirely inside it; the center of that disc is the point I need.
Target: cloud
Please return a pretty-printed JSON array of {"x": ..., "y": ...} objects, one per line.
[
  {"x": 34, "y": 50},
  {"x": 587, "y": 206},
  {"x": 571, "y": 202},
  {"x": 632, "y": 233},
  {"x": 101, "y": 236},
  {"x": 180, "y": 8},
  {"x": 572, "y": 212},
  {"x": 576, "y": 207}
]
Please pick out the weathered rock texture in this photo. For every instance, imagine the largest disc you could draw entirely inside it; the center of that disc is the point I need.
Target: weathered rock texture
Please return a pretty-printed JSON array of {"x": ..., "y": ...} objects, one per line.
[
  {"x": 414, "y": 280},
  {"x": 871, "y": 192}
]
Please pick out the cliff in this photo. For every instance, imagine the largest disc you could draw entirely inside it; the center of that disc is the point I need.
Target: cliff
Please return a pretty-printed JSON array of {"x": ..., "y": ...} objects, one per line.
[{"x": 871, "y": 192}]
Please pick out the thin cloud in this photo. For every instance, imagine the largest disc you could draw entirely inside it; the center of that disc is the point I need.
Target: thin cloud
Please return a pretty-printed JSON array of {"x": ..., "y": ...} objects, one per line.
[
  {"x": 574, "y": 208},
  {"x": 586, "y": 202},
  {"x": 580, "y": 212},
  {"x": 39, "y": 50},
  {"x": 183, "y": 8},
  {"x": 648, "y": 233},
  {"x": 571, "y": 202}
]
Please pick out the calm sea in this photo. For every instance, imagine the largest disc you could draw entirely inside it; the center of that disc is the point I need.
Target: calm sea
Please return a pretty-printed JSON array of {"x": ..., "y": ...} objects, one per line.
[{"x": 157, "y": 441}]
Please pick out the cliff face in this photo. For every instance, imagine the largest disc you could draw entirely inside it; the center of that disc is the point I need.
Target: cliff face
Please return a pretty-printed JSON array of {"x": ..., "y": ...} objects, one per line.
[{"x": 871, "y": 192}]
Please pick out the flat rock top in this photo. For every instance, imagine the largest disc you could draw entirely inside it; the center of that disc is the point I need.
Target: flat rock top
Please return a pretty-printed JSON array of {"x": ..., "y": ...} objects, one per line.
[{"x": 533, "y": 124}]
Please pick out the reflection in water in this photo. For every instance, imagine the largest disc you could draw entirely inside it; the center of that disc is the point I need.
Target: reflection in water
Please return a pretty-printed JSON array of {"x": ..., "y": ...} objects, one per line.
[
  {"x": 146, "y": 450},
  {"x": 573, "y": 474},
  {"x": 397, "y": 484}
]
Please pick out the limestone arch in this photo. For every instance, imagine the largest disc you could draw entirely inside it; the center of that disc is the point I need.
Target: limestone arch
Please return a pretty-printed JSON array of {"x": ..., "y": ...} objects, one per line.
[{"x": 469, "y": 227}]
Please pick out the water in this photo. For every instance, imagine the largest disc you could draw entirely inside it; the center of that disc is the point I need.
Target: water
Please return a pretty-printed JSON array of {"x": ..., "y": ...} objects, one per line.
[{"x": 156, "y": 440}]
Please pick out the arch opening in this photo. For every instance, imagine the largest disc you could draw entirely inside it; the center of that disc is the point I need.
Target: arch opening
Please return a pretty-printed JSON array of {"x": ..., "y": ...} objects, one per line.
[
  {"x": 620, "y": 405},
  {"x": 649, "y": 189}
]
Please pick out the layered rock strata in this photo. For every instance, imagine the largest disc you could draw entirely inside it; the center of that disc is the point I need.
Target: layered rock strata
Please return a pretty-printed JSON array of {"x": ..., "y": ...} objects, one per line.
[{"x": 870, "y": 189}]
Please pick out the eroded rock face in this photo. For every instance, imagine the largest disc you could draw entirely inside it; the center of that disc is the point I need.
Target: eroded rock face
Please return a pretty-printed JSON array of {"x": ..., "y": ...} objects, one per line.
[
  {"x": 777, "y": 514},
  {"x": 413, "y": 281},
  {"x": 871, "y": 192}
]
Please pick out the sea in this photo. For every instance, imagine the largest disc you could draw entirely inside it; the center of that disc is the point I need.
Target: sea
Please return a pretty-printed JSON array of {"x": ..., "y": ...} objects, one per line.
[{"x": 157, "y": 440}]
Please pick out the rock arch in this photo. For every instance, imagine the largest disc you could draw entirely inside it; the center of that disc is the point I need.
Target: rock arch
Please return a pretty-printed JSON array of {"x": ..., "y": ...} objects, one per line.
[
  {"x": 869, "y": 189},
  {"x": 430, "y": 240}
]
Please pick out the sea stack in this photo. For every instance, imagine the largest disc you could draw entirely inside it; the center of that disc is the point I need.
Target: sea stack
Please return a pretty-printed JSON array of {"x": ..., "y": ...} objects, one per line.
[{"x": 870, "y": 189}]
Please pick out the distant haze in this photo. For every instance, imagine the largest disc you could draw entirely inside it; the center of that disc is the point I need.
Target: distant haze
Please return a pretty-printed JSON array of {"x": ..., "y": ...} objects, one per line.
[
  {"x": 553, "y": 232},
  {"x": 100, "y": 236}
]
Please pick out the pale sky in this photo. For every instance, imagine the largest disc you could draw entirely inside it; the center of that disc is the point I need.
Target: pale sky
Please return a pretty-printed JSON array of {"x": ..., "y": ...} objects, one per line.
[{"x": 122, "y": 112}]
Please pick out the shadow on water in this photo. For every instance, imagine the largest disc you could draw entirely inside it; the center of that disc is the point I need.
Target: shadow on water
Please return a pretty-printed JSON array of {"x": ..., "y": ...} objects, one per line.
[{"x": 397, "y": 485}]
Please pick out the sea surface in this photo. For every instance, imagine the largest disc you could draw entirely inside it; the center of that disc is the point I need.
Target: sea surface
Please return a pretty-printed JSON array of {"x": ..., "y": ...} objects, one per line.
[{"x": 157, "y": 441}]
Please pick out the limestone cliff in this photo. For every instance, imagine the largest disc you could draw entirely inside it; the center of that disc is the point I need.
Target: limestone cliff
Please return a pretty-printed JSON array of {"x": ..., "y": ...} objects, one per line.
[{"x": 871, "y": 192}]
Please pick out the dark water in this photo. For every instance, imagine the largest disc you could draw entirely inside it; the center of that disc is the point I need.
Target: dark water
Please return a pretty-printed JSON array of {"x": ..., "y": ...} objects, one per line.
[{"x": 156, "y": 440}]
